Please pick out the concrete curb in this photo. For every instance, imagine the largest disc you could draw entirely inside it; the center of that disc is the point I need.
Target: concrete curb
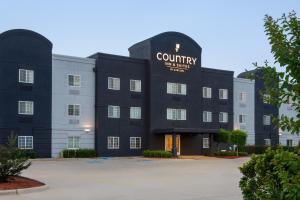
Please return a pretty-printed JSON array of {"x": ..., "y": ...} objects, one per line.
[{"x": 24, "y": 191}]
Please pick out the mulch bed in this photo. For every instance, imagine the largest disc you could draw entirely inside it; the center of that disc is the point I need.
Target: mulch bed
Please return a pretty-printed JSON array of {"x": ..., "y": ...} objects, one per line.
[{"x": 18, "y": 182}]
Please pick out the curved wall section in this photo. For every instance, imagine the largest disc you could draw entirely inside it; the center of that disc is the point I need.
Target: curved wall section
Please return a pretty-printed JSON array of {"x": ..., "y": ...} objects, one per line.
[{"x": 26, "y": 76}]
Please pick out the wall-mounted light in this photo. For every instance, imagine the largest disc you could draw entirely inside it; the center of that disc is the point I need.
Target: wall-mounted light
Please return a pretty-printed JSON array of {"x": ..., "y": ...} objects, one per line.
[{"x": 87, "y": 130}]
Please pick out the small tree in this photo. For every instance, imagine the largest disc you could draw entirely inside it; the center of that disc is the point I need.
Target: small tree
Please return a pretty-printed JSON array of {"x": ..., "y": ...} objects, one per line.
[
  {"x": 238, "y": 138},
  {"x": 223, "y": 136},
  {"x": 11, "y": 164}
]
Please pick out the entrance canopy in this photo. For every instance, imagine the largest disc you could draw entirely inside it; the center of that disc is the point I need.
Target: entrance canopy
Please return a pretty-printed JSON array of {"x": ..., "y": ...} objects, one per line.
[{"x": 185, "y": 130}]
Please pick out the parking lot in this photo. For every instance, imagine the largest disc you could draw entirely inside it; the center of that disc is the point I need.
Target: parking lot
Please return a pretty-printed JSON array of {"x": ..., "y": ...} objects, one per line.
[{"x": 135, "y": 178}]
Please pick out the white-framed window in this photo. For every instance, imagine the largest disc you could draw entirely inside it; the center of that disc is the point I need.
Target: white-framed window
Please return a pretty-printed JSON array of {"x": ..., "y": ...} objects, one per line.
[
  {"x": 113, "y": 142},
  {"x": 25, "y": 107},
  {"x": 207, "y": 116},
  {"x": 223, "y": 94},
  {"x": 176, "y": 88},
  {"x": 73, "y": 142},
  {"x": 267, "y": 142},
  {"x": 205, "y": 143},
  {"x": 135, "y": 85},
  {"x": 176, "y": 114},
  {"x": 267, "y": 120},
  {"x": 113, "y": 111},
  {"x": 26, "y": 76},
  {"x": 242, "y": 119},
  {"x": 223, "y": 117},
  {"x": 74, "y": 80},
  {"x": 25, "y": 142},
  {"x": 135, "y": 113},
  {"x": 206, "y": 92},
  {"x": 135, "y": 142},
  {"x": 289, "y": 143},
  {"x": 243, "y": 97},
  {"x": 113, "y": 83},
  {"x": 74, "y": 110}
]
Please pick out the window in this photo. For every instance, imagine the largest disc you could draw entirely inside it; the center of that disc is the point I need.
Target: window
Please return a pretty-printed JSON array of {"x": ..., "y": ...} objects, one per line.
[
  {"x": 176, "y": 114},
  {"x": 74, "y": 80},
  {"x": 26, "y": 76},
  {"x": 73, "y": 142},
  {"x": 25, "y": 142},
  {"x": 223, "y": 117},
  {"x": 266, "y": 98},
  {"x": 113, "y": 142},
  {"x": 74, "y": 110},
  {"x": 267, "y": 120},
  {"x": 135, "y": 142},
  {"x": 267, "y": 142},
  {"x": 223, "y": 94},
  {"x": 289, "y": 143},
  {"x": 243, "y": 97},
  {"x": 242, "y": 119},
  {"x": 205, "y": 142},
  {"x": 135, "y": 113},
  {"x": 176, "y": 88},
  {"x": 113, "y": 83},
  {"x": 25, "y": 107},
  {"x": 207, "y": 116},
  {"x": 113, "y": 111},
  {"x": 135, "y": 85},
  {"x": 206, "y": 92}
]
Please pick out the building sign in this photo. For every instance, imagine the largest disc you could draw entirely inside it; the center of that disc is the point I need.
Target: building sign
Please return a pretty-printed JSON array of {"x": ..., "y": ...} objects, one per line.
[{"x": 176, "y": 62}]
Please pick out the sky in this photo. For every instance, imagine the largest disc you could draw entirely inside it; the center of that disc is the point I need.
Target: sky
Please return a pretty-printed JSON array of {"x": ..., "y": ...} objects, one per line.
[{"x": 230, "y": 32}]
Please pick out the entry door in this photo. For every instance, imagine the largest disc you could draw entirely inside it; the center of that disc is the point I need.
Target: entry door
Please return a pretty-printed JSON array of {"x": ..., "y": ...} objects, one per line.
[{"x": 169, "y": 144}]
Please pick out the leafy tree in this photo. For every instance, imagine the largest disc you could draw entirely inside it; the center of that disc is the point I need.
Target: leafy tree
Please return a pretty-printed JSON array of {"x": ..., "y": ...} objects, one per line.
[
  {"x": 223, "y": 136},
  {"x": 272, "y": 175},
  {"x": 284, "y": 37},
  {"x": 238, "y": 138},
  {"x": 11, "y": 164}
]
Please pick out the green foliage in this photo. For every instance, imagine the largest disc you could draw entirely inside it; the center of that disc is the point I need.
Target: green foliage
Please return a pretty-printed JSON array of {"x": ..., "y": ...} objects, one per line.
[
  {"x": 223, "y": 136},
  {"x": 283, "y": 35},
  {"x": 238, "y": 137},
  {"x": 157, "y": 154},
  {"x": 272, "y": 175},
  {"x": 11, "y": 162},
  {"x": 79, "y": 153},
  {"x": 231, "y": 153},
  {"x": 254, "y": 149}
]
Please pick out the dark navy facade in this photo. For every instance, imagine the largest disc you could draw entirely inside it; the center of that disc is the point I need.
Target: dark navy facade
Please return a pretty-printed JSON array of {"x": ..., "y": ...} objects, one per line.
[
  {"x": 158, "y": 98},
  {"x": 26, "y": 50}
]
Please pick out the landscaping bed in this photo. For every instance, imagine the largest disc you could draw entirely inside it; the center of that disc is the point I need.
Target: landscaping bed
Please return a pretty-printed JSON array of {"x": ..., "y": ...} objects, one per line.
[{"x": 19, "y": 182}]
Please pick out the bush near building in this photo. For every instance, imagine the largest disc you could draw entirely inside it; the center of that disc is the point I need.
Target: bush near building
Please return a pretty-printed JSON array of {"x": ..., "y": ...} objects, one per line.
[
  {"x": 12, "y": 160},
  {"x": 272, "y": 175},
  {"x": 231, "y": 153},
  {"x": 157, "y": 154},
  {"x": 79, "y": 153}
]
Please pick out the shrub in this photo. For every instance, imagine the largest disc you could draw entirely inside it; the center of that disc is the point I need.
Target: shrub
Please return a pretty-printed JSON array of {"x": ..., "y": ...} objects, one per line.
[
  {"x": 11, "y": 162},
  {"x": 157, "y": 154},
  {"x": 231, "y": 153},
  {"x": 272, "y": 175},
  {"x": 25, "y": 153},
  {"x": 254, "y": 149},
  {"x": 79, "y": 153}
]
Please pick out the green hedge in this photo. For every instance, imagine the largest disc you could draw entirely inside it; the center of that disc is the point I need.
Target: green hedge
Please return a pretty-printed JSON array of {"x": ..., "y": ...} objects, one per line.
[
  {"x": 157, "y": 154},
  {"x": 231, "y": 153},
  {"x": 25, "y": 153},
  {"x": 79, "y": 153},
  {"x": 260, "y": 149}
]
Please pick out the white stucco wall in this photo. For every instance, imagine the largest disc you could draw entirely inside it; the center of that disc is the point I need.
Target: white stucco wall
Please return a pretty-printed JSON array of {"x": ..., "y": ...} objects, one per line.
[
  {"x": 247, "y": 108},
  {"x": 63, "y": 95},
  {"x": 287, "y": 110}
]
